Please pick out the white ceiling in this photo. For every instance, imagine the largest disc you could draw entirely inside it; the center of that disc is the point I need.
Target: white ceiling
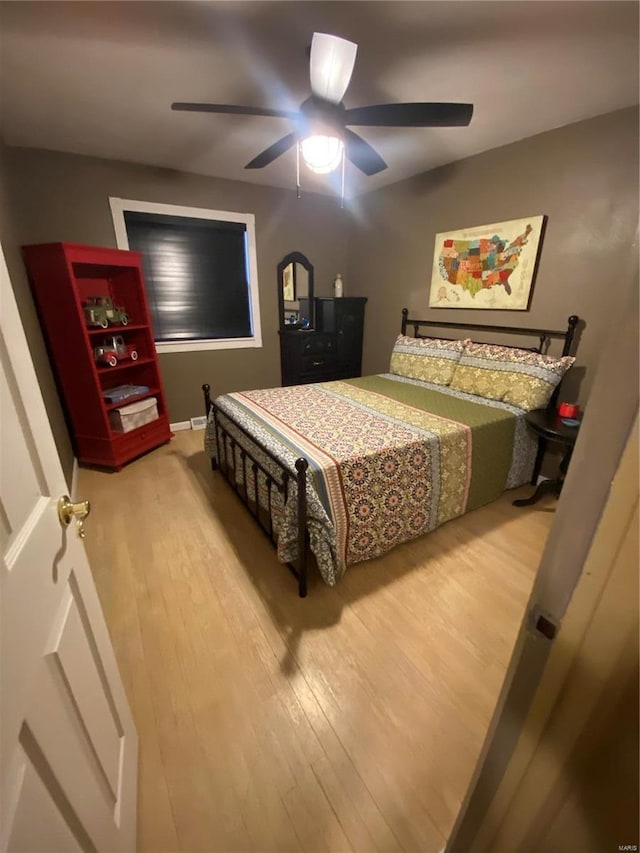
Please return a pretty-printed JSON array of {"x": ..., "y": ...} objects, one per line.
[{"x": 98, "y": 78}]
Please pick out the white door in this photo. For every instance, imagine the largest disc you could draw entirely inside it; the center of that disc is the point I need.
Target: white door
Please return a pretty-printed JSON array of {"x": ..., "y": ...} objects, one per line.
[{"x": 68, "y": 745}]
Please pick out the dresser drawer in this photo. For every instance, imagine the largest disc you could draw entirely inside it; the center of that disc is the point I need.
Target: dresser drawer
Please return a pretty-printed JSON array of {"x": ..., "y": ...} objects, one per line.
[
  {"x": 319, "y": 345},
  {"x": 323, "y": 374},
  {"x": 317, "y": 363},
  {"x": 316, "y": 356},
  {"x": 128, "y": 445}
]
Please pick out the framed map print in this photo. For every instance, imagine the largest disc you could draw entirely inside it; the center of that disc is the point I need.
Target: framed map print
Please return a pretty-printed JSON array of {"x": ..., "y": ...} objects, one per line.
[{"x": 489, "y": 266}]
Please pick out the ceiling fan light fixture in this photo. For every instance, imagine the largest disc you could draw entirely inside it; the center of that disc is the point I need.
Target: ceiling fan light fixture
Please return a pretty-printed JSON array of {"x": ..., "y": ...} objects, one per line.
[
  {"x": 323, "y": 134},
  {"x": 322, "y": 154},
  {"x": 331, "y": 66}
]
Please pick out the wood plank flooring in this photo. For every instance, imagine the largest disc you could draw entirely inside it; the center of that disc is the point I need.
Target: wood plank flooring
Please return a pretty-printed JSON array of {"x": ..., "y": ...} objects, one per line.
[{"x": 349, "y": 721}]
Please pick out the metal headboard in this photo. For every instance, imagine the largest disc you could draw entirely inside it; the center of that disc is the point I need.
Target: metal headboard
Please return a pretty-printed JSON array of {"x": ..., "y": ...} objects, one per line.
[{"x": 544, "y": 335}]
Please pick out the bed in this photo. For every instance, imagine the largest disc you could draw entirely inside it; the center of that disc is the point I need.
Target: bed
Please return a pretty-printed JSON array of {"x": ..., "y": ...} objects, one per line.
[{"x": 348, "y": 469}]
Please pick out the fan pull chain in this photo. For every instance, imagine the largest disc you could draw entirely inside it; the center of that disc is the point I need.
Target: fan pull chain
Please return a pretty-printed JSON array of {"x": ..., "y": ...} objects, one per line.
[
  {"x": 343, "y": 170},
  {"x": 298, "y": 169}
]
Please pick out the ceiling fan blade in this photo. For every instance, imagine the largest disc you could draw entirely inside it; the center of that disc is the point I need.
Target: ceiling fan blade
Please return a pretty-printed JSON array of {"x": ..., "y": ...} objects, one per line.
[
  {"x": 362, "y": 154},
  {"x": 232, "y": 109},
  {"x": 331, "y": 65},
  {"x": 273, "y": 152},
  {"x": 410, "y": 115}
]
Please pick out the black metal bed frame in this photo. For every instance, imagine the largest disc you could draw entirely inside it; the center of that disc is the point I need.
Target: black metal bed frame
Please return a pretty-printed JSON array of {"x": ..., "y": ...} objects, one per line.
[{"x": 226, "y": 446}]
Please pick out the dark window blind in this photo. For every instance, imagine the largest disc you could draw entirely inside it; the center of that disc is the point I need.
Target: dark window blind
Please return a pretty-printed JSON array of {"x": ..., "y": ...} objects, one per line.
[{"x": 196, "y": 275}]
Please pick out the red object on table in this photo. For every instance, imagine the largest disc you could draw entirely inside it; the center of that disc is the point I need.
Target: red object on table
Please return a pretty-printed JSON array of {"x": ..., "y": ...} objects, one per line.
[{"x": 568, "y": 410}]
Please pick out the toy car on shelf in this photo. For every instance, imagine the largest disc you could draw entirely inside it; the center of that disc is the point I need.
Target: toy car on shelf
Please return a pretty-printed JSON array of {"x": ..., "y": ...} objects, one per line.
[
  {"x": 100, "y": 311},
  {"x": 112, "y": 350}
]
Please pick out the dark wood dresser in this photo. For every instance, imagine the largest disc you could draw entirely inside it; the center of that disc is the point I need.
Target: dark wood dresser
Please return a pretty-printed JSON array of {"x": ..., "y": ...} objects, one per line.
[{"x": 332, "y": 350}]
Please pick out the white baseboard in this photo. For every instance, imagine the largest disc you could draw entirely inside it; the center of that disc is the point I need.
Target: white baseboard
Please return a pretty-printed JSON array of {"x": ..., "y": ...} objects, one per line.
[{"x": 192, "y": 423}]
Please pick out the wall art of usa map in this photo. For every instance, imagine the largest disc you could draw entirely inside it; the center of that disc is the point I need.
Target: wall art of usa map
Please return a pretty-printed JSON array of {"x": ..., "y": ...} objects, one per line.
[{"x": 489, "y": 266}]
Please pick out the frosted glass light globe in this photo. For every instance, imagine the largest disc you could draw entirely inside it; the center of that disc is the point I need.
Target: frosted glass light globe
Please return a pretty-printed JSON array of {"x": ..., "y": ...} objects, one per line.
[{"x": 322, "y": 154}]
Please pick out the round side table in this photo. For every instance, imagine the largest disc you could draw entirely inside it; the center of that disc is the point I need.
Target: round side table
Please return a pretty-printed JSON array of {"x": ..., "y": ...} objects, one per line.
[{"x": 548, "y": 426}]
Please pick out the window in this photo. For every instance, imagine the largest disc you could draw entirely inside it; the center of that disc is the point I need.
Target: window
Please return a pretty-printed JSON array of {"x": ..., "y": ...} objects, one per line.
[{"x": 200, "y": 273}]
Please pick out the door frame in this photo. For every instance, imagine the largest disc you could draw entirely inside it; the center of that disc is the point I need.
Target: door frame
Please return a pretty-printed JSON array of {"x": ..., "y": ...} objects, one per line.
[{"x": 608, "y": 422}]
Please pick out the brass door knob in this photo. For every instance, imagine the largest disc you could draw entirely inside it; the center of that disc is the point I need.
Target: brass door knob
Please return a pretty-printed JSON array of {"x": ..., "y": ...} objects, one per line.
[{"x": 68, "y": 510}]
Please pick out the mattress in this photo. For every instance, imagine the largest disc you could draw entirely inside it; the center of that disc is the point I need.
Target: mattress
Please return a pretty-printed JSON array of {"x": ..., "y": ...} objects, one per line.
[{"x": 390, "y": 459}]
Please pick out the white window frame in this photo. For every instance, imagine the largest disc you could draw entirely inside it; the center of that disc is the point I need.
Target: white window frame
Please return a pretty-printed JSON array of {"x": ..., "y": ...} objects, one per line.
[{"x": 118, "y": 208}]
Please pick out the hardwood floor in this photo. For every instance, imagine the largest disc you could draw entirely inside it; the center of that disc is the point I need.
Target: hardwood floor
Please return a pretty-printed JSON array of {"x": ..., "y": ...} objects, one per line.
[{"x": 351, "y": 720}]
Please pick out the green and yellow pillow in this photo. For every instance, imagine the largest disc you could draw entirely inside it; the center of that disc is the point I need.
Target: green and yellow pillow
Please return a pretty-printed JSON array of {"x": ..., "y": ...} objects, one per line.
[
  {"x": 523, "y": 378},
  {"x": 428, "y": 359}
]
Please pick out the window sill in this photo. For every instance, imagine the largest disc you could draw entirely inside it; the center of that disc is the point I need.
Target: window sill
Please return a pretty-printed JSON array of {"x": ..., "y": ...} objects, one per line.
[{"x": 217, "y": 343}]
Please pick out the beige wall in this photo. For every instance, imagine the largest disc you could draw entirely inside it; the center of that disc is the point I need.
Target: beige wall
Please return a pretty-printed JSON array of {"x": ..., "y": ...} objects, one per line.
[
  {"x": 11, "y": 248},
  {"x": 66, "y": 197},
  {"x": 584, "y": 177}
]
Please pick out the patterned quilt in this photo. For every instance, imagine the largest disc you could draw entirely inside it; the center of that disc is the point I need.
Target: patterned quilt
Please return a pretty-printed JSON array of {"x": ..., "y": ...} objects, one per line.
[{"x": 389, "y": 459}]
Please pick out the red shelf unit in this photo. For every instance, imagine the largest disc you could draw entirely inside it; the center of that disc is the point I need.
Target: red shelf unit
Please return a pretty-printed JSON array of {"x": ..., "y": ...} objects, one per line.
[{"x": 62, "y": 275}]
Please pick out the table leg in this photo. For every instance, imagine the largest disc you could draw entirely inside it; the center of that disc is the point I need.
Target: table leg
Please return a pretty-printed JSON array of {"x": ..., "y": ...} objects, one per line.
[
  {"x": 548, "y": 486},
  {"x": 565, "y": 464},
  {"x": 537, "y": 465},
  {"x": 544, "y": 487}
]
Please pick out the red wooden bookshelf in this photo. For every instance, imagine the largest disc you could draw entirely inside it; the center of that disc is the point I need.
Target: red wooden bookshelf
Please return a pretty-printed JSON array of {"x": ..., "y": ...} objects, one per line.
[{"x": 62, "y": 276}]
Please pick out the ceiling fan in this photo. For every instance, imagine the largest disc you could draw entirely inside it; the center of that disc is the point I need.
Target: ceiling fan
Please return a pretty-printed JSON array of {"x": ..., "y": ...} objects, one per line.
[{"x": 323, "y": 121}]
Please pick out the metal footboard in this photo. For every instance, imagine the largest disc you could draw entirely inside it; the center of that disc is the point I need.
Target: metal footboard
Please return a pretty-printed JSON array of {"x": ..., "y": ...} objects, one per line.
[{"x": 227, "y": 463}]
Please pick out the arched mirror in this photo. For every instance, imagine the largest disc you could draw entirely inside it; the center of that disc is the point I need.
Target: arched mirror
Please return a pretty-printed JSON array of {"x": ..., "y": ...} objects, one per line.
[{"x": 295, "y": 292}]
